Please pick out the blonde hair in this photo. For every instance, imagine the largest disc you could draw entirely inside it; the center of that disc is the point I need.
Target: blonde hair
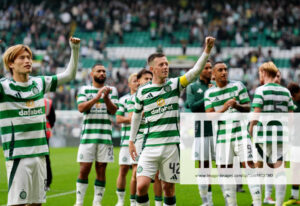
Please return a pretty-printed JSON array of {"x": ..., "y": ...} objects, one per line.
[
  {"x": 11, "y": 54},
  {"x": 270, "y": 68},
  {"x": 131, "y": 76}
]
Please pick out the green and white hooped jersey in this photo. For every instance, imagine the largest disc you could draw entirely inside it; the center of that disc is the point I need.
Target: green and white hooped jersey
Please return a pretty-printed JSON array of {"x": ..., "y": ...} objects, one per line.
[
  {"x": 130, "y": 106},
  {"x": 97, "y": 126},
  {"x": 273, "y": 98},
  {"x": 215, "y": 97},
  {"x": 22, "y": 116},
  {"x": 123, "y": 111},
  {"x": 160, "y": 106}
]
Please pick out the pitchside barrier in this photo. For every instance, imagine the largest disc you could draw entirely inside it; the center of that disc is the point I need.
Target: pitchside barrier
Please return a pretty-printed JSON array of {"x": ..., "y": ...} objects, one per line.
[{"x": 275, "y": 139}]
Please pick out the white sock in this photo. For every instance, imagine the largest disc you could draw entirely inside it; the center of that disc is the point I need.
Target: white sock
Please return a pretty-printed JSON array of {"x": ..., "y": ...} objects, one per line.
[
  {"x": 268, "y": 191},
  {"x": 158, "y": 203},
  {"x": 295, "y": 193},
  {"x": 98, "y": 194},
  {"x": 280, "y": 194},
  {"x": 80, "y": 191},
  {"x": 209, "y": 198},
  {"x": 143, "y": 204},
  {"x": 203, "y": 190},
  {"x": 132, "y": 201},
  {"x": 121, "y": 196},
  {"x": 230, "y": 194},
  {"x": 169, "y": 205},
  {"x": 255, "y": 191}
]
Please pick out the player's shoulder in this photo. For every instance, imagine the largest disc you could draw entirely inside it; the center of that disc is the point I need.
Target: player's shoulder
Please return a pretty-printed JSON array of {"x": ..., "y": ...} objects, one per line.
[
  {"x": 125, "y": 97},
  {"x": 113, "y": 89},
  {"x": 211, "y": 90}
]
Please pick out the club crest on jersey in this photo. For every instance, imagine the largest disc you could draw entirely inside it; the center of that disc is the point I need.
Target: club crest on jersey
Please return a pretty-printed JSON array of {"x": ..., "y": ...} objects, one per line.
[
  {"x": 167, "y": 88},
  {"x": 160, "y": 102},
  {"x": 30, "y": 103},
  {"x": 35, "y": 90},
  {"x": 98, "y": 105}
]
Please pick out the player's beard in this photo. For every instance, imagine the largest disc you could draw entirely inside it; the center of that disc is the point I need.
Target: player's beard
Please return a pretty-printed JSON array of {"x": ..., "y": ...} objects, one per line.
[{"x": 100, "y": 81}]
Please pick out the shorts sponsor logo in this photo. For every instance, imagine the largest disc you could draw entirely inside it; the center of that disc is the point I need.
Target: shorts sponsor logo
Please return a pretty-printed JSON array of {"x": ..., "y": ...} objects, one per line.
[
  {"x": 139, "y": 169},
  {"x": 81, "y": 156},
  {"x": 174, "y": 177},
  {"x": 196, "y": 154},
  {"x": 23, "y": 195},
  {"x": 162, "y": 109}
]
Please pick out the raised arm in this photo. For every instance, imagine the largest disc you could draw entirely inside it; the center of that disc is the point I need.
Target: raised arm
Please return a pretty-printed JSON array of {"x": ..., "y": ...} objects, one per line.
[
  {"x": 194, "y": 73},
  {"x": 70, "y": 72}
]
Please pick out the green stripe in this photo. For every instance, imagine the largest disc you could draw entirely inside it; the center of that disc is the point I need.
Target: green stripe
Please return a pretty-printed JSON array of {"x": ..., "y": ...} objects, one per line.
[
  {"x": 86, "y": 181},
  {"x": 95, "y": 141},
  {"x": 97, "y": 131},
  {"x": 44, "y": 84},
  {"x": 222, "y": 92},
  {"x": 93, "y": 91},
  {"x": 21, "y": 88},
  {"x": 120, "y": 113},
  {"x": 272, "y": 92},
  {"x": 154, "y": 145},
  {"x": 148, "y": 114},
  {"x": 163, "y": 134},
  {"x": 96, "y": 121},
  {"x": 256, "y": 105},
  {"x": 10, "y": 98},
  {"x": 169, "y": 120},
  {"x": 26, "y": 156},
  {"x": 81, "y": 95},
  {"x": 244, "y": 101},
  {"x": 53, "y": 83},
  {"x": 13, "y": 172},
  {"x": 23, "y": 128},
  {"x": 18, "y": 112},
  {"x": 154, "y": 89},
  {"x": 158, "y": 198},
  {"x": 25, "y": 143},
  {"x": 131, "y": 110},
  {"x": 125, "y": 128},
  {"x": 219, "y": 103},
  {"x": 114, "y": 97},
  {"x": 164, "y": 96},
  {"x": 130, "y": 102},
  {"x": 99, "y": 183}
]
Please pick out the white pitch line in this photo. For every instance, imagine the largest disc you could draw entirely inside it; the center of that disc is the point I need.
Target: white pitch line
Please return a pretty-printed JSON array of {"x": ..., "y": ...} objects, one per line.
[
  {"x": 61, "y": 194},
  {"x": 57, "y": 195}
]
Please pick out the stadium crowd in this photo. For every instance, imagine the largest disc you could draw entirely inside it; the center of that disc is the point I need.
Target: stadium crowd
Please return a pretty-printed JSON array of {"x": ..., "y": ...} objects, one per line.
[{"x": 47, "y": 25}]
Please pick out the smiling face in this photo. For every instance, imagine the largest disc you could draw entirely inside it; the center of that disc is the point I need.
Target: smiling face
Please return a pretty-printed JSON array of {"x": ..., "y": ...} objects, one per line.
[
  {"x": 160, "y": 68},
  {"x": 22, "y": 63}
]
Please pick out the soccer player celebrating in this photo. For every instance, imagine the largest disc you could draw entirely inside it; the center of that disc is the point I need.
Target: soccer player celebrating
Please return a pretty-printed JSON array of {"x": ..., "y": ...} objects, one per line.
[
  {"x": 195, "y": 100},
  {"x": 23, "y": 122},
  {"x": 143, "y": 77},
  {"x": 271, "y": 97},
  {"x": 230, "y": 97},
  {"x": 159, "y": 101},
  {"x": 97, "y": 102},
  {"x": 122, "y": 117}
]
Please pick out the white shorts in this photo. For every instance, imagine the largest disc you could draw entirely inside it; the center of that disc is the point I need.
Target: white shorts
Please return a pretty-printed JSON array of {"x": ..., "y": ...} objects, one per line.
[
  {"x": 203, "y": 149},
  {"x": 272, "y": 153},
  {"x": 29, "y": 178},
  {"x": 295, "y": 154},
  {"x": 124, "y": 156},
  {"x": 163, "y": 158},
  {"x": 139, "y": 147},
  {"x": 226, "y": 151},
  {"x": 95, "y": 152}
]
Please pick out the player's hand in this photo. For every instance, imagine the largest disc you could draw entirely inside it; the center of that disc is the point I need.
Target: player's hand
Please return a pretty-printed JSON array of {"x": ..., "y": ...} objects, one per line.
[
  {"x": 132, "y": 150},
  {"x": 74, "y": 42},
  {"x": 106, "y": 92},
  {"x": 229, "y": 103},
  {"x": 209, "y": 44},
  {"x": 101, "y": 92}
]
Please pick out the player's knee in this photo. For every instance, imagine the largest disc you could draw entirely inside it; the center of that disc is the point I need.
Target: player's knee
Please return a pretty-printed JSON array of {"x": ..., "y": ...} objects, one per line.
[
  {"x": 142, "y": 188},
  {"x": 124, "y": 170}
]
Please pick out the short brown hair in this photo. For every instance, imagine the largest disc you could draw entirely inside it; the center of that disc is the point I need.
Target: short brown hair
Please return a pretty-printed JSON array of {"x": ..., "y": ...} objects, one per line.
[
  {"x": 153, "y": 56},
  {"x": 11, "y": 54},
  {"x": 270, "y": 68},
  {"x": 294, "y": 88},
  {"x": 142, "y": 72}
]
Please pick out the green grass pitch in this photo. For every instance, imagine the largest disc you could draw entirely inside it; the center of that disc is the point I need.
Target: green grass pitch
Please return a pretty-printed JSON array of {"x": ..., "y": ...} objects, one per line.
[{"x": 65, "y": 172}]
